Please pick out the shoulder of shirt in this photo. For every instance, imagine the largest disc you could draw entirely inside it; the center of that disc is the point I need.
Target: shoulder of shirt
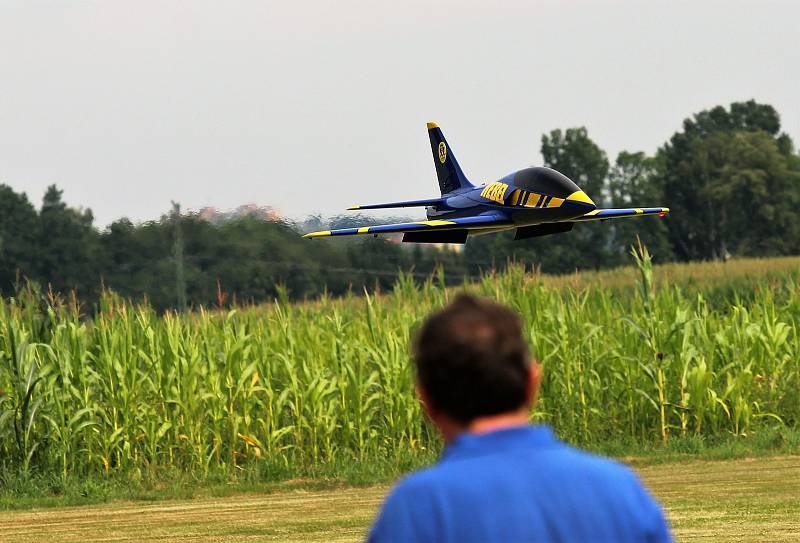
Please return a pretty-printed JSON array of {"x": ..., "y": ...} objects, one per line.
[
  {"x": 419, "y": 478},
  {"x": 603, "y": 464},
  {"x": 416, "y": 485}
]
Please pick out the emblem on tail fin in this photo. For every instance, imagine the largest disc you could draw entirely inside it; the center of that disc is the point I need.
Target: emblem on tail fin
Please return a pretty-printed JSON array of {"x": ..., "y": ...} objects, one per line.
[{"x": 447, "y": 169}]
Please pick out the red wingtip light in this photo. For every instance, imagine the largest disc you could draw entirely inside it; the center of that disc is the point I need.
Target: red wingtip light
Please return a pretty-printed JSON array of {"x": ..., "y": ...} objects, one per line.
[{"x": 662, "y": 214}]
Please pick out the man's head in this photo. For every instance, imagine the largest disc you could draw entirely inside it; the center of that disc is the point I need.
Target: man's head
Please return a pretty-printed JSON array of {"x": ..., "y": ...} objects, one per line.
[{"x": 472, "y": 362}]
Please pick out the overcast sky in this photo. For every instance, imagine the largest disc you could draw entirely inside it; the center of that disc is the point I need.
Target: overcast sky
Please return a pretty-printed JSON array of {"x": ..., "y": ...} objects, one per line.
[{"x": 313, "y": 106}]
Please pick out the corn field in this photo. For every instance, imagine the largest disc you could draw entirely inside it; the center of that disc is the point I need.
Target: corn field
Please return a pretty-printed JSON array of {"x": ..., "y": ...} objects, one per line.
[{"x": 292, "y": 385}]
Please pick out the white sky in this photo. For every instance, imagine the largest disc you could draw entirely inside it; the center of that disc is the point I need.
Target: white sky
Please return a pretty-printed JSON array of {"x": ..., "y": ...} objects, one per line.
[{"x": 313, "y": 106}]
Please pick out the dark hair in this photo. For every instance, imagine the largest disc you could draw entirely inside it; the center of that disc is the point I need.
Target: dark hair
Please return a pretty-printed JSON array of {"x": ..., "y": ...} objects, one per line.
[{"x": 472, "y": 360}]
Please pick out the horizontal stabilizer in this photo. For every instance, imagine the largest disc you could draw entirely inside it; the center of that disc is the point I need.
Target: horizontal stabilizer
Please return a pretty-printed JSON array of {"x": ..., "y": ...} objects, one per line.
[{"x": 406, "y": 203}]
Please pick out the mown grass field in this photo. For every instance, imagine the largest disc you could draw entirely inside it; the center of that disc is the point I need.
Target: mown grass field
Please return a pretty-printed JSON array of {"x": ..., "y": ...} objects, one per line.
[{"x": 747, "y": 500}]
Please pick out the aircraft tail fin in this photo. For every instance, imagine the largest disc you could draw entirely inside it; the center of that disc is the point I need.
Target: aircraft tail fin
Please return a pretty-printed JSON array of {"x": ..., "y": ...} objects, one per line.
[{"x": 447, "y": 169}]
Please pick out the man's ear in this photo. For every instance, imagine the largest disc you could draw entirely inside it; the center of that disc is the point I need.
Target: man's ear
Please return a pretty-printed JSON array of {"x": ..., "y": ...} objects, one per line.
[{"x": 534, "y": 381}]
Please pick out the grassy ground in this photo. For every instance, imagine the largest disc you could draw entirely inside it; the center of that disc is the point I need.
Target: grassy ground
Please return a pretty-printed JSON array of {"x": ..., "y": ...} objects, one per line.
[
  {"x": 724, "y": 500},
  {"x": 741, "y": 500},
  {"x": 698, "y": 275}
]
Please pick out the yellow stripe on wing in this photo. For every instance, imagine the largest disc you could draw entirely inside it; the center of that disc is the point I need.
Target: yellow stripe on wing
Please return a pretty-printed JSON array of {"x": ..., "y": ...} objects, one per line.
[
  {"x": 318, "y": 234},
  {"x": 435, "y": 223},
  {"x": 363, "y": 230}
]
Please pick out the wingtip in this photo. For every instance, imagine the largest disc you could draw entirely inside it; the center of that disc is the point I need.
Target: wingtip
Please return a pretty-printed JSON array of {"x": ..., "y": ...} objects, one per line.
[
  {"x": 317, "y": 234},
  {"x": 432, "y": 125},
  {"x": 353, "y": 208}
]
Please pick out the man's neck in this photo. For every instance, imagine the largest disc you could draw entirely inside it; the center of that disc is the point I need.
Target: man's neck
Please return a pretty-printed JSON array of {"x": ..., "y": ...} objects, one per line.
[
  {"x": 502, "y": 421},
  {"x": 482, "y": 425}
]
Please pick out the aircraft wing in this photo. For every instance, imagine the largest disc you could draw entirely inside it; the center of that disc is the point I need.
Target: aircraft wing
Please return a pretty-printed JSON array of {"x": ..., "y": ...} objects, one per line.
[
  {"x": 604, "y": 214},
  {"x": 463, "y": 223}
]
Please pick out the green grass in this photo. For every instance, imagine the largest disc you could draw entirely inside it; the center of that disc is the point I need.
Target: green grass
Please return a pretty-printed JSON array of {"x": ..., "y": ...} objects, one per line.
[{"x": 750, "y": 499}]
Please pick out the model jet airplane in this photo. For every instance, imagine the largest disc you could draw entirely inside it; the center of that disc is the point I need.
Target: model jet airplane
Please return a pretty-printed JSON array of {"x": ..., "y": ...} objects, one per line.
[{"x": 535, "y": 201}]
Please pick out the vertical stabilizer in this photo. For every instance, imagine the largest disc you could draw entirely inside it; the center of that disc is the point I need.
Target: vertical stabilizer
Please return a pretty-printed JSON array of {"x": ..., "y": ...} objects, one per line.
[{"x": 447, "y": 169}]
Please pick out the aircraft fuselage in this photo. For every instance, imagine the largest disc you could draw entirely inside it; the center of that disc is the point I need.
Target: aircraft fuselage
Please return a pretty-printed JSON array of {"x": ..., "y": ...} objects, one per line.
[{"x": 526, "y": 197}]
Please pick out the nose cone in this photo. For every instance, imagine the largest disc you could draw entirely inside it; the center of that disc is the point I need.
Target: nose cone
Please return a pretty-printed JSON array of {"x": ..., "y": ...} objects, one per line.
[{"x": 579, "y": 197}]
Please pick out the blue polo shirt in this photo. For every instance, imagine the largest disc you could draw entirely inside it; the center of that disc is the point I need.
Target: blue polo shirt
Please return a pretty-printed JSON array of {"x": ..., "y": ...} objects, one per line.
[{"x": 520, "y": 484}]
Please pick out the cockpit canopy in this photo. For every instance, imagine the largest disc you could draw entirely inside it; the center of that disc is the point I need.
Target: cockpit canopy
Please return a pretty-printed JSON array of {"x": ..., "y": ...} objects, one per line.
[
  {"x": 542, "y": 180},
  {"x": 534, "y": 187}
]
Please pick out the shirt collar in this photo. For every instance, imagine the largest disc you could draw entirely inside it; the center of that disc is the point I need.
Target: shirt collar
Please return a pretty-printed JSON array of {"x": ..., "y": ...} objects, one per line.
[{"x": 468, "y": 445}]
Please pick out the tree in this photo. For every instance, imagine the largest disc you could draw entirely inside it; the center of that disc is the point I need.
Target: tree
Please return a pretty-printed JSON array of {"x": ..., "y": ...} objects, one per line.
[
  {"x": 731, "y": 184},
  {"x": 19, "y": 224},
  {"x": 127, "y": 261},
  {"x": 745, "y": 171},
  {"x": 177, "y": 255},
  {"x": 67, "y": 247},
  {"x": 634, "y": 181}
]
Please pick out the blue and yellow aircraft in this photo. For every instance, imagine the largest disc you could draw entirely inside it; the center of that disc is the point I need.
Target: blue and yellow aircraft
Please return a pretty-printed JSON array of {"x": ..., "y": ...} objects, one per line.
[{"x": 534, "y": 201}]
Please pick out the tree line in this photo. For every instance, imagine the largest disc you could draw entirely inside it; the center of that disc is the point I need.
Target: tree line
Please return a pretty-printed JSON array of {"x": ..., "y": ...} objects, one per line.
[{"x": 730, "y": 176}]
